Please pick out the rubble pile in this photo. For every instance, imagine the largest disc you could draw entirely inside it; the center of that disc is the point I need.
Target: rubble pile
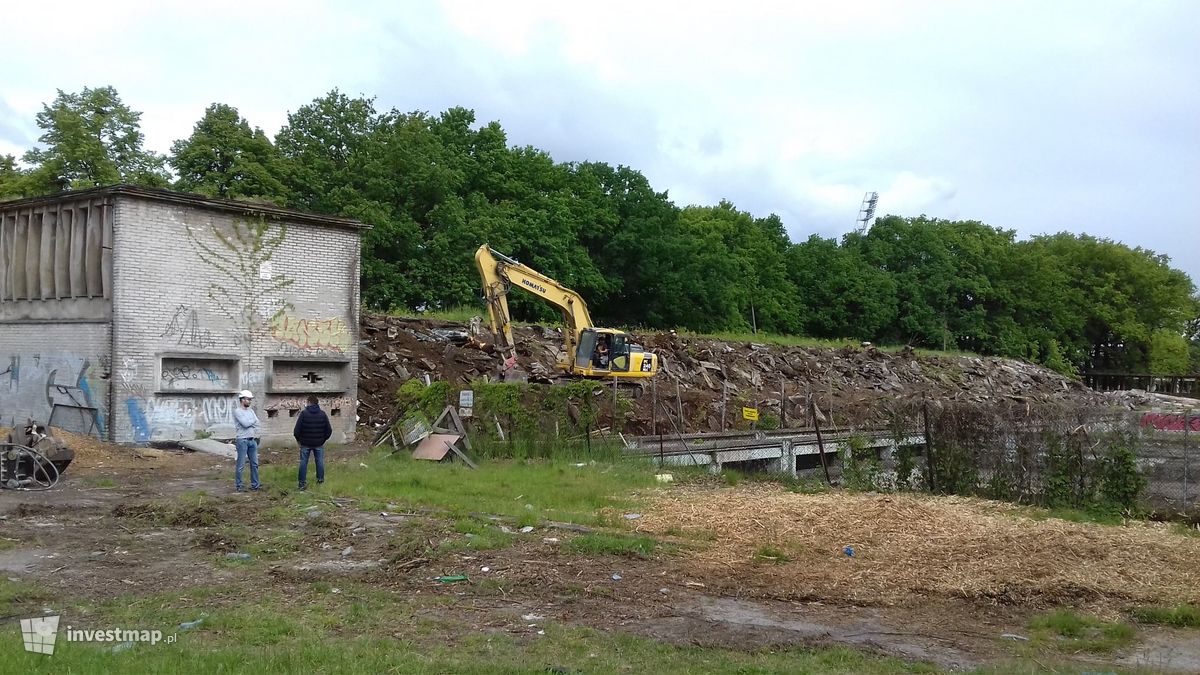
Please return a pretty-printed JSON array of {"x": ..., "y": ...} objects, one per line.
[{"x": 709, "y": 378}]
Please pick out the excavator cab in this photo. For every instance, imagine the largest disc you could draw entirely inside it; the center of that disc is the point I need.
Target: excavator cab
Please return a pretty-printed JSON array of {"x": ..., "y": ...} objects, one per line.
[{"x": 606, "y": 351}]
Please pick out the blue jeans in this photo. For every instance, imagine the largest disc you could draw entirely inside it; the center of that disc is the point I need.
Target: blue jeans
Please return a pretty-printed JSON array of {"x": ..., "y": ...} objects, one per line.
[
  {"x": 319, "y": 453},
  {"x": 247, "y": 448}
]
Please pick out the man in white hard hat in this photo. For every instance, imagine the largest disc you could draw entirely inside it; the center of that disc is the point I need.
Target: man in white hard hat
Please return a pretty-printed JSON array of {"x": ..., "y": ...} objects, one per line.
[{"x": 248, "y": 432}]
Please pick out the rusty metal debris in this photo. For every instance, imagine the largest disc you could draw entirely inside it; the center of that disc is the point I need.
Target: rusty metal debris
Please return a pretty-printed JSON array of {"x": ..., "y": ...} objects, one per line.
[{"x": 31, "y": 458}]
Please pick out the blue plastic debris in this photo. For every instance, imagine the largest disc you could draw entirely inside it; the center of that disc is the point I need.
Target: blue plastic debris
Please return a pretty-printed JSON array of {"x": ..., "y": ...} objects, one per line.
[{"x": 849, "y": 551}]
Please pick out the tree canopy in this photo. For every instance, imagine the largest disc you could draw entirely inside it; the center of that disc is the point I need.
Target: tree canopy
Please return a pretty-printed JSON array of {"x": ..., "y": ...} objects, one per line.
[{"x": 435, "y": 187}]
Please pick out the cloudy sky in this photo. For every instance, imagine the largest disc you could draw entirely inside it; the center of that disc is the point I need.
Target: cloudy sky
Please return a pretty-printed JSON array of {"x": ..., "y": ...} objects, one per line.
[{"x": 1033, "y": 116}]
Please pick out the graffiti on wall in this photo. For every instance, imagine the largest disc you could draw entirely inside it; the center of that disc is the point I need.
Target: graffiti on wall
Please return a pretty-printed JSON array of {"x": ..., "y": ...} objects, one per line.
[
  {"x": 1168, "y": 422},
  {"x": 311, "y": 334},
  {"x": 185, "y": 329},
  {"x": 59, "y": 389},
  {"x": 300, "y": 402},
  {"x": 173, "y": 418},
  {"x": 247, "y": 292}
]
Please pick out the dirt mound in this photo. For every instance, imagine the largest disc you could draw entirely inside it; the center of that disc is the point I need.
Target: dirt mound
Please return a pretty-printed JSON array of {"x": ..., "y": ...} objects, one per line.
[{"x": 703, "y": 377}]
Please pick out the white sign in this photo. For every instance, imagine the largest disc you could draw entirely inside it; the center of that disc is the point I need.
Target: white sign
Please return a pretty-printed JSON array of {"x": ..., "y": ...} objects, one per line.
[
  {"x": 264, "y": 270},
  {"x": 466, "y": 398},
  {"x": 466, "y": 412}
]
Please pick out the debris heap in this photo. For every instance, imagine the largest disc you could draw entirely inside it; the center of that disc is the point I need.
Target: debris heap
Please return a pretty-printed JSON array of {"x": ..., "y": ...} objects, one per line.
[{"x": 702, "y": 376}]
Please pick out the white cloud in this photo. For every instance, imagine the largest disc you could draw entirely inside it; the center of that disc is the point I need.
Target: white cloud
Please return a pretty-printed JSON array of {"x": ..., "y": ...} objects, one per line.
[{"x": 1026, "y": 115}]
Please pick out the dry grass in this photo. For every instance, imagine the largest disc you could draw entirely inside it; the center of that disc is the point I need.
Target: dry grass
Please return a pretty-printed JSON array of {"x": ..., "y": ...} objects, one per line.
[{"x": 908, "y": 548}]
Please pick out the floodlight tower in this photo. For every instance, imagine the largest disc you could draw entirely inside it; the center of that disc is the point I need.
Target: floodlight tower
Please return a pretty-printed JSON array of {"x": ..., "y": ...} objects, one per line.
[{"x": 866, "y": 212}]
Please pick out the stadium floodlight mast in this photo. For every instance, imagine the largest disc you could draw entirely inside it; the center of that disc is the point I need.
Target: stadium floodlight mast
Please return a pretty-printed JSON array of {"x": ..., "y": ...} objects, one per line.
[{"x": 866, "y": 212}]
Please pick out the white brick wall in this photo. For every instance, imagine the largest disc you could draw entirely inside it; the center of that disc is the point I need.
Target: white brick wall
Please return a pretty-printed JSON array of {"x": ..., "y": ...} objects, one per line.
[{"x": 162, "y": 305}]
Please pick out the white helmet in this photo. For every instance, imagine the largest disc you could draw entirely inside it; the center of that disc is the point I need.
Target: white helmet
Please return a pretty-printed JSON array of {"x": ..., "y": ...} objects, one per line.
[{"x": 245, "y": 394}]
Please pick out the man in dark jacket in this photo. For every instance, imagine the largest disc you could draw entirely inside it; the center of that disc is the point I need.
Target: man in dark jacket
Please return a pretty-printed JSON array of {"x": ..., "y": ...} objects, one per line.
[{"x": 311, "y": 432}]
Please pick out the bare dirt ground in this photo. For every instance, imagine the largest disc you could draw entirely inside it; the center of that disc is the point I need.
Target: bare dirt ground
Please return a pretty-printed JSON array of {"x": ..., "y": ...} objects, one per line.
[{"x": 128, "y": 523}]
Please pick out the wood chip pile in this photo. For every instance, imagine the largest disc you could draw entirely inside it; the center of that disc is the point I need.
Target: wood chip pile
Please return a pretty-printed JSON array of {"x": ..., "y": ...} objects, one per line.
[{"x": 907, "y": 548}]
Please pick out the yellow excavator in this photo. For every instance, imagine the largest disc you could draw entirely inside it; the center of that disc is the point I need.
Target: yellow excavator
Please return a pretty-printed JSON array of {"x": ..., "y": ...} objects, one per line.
[{"x": 587, "y": 351}]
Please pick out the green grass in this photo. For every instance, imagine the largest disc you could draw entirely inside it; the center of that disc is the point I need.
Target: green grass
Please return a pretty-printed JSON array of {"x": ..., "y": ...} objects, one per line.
[
  {"x": 1180, "y": 616},
  {"x": 771, "y": 554},
  {"x": 367, "y": 630},
  {"x": 19, "y": 595},
  {"x": 526, "y": 490},
  {"x": 478, "y": 535},
  {"x": 1070, "y": 631},
  {"x": 461, "y": 314},
  {"x": 599, "y": 543},
  {"x": 801, "y": 341}
]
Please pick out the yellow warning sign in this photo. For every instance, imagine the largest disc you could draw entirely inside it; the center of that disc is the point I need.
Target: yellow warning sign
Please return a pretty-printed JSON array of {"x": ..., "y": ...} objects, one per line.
[{"x": 750, "y": 414}]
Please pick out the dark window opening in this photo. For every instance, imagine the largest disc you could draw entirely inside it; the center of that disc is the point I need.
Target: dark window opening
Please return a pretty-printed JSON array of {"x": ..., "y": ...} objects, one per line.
[
  {"x": 335, "y": 412},
  {"x": 312, "y": 377},
  {"x": 272, "y": 413}
]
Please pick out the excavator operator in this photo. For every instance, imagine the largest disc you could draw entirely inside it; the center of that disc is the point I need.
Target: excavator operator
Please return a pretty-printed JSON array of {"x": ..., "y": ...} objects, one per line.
[{"x": 601, "y": 356}]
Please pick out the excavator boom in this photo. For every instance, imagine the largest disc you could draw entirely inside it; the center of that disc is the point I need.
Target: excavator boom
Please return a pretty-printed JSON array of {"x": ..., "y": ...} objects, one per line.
[{"x": 500, "y": 272}]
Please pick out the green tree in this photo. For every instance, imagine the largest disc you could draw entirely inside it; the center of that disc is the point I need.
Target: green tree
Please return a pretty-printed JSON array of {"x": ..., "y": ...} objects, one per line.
[
  {"x": 842, "y": 296},
  {"x": 225, "y": 158},
  {"x": 1123, "y": 295},
  {"x": 14, "y": 182},
  {"x": 1169, "y": 353},
  {"x": 91, "y": 139}
]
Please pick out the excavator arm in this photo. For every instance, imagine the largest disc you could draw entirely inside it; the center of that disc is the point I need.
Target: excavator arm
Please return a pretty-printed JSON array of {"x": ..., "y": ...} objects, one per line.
[{"x": 499, "y": 273}]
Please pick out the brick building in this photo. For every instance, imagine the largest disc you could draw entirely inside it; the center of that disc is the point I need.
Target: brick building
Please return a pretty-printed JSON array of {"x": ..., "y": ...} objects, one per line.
[{"x": 136, "y": 315}]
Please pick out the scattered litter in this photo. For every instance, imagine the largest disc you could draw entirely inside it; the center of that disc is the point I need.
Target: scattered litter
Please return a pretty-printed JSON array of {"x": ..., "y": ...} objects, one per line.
[
  {"x": 532, "y": 617},
  {"x": 506, "y": 529},
  {"x": 124, "y": 646},
  {"x": 452, "y": 578},
  {"x": 849, "y": 551},
  {"x": 335, "y": 590},
  {"x": 616, "y": 577},
  {"x": 189, "y": 625},
  {"x": 693, "y": 584},
  {"x": 632, "y": 516},
  {"x": 581, "y": 464},
  {"x": 529, "y": 507},
  {"x": 663, "y": 590},
  {"x": 527, "y": 529},
  {"x": 325, "y": 546},
  {"x": 485, "y": 569},
  {"x": 541, "y": 632},
  {"x": 549, "y": 540},
  {"x": 347, "y": 551},
  {"x": 383, "y": 513},
  {"x": 664, "y": 478},
  {"x": 313, "y": 515},
  {"x": 363, "y": 466},
  {"x": 1014, "y": 636},
  {"x": 357, "y": 530},
  {"x": 238, "y": 556}
]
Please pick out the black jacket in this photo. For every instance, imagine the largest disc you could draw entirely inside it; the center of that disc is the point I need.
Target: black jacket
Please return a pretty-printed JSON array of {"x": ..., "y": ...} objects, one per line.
[{"x": 312, "y": 427}]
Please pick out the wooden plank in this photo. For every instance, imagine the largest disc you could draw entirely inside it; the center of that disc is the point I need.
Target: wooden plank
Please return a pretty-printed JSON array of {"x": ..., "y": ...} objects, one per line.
[
  {"x": 93, "y": 269},
  {"x": 62, "y": 252},
  {"x": 78, "y": 260}
]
